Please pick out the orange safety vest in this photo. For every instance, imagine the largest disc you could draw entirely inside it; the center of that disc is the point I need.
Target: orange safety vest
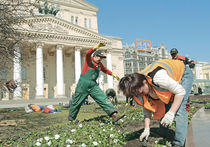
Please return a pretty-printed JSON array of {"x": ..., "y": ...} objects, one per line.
[{"x": 175, "y": 69}]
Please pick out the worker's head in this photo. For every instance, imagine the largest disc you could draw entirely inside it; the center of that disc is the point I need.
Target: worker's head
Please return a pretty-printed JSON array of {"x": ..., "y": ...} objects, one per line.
[
  {"x": 174, "y": 53},
  {"x": 98, "y": 56},
  {"x": 134, "y": 84}
]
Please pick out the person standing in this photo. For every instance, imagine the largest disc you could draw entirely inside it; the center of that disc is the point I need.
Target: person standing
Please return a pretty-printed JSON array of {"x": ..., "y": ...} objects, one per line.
[
  {"x": 175, "y": 55},
  {"x": 162, "y": 88},
  {"x": 87, "y": 85}
]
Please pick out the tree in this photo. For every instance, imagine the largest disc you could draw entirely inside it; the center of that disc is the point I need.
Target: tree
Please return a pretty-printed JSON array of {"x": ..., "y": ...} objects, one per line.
[{"x": 11, "y": 13}]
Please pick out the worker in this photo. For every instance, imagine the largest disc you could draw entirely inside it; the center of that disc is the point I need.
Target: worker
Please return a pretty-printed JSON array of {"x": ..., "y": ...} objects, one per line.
[
  {"x": 11, "y": 86},
  {"x": 175, "y": 55},
  {"x": 87, "y": 85},
  {"x": 162, "y": 88},
  {"x": 111, "y": 94}
]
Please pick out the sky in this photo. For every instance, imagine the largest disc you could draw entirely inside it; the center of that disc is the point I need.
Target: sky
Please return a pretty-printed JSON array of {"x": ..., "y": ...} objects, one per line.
[{"x": 181, "y": 24}]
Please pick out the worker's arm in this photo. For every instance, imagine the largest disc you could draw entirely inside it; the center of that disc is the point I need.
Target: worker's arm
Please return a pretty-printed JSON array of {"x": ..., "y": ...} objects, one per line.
[
  {"x": 162, "y": 79},
  {"x": 146, "y": 132},
  {"x": 105, "y": 70},
  {"x": 88, "y": 57}
]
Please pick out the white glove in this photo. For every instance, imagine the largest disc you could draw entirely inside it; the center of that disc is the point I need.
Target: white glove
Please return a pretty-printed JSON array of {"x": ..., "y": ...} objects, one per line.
[
  {"x": 167, "y": 119},
  {"x": 145, "y": 134}
]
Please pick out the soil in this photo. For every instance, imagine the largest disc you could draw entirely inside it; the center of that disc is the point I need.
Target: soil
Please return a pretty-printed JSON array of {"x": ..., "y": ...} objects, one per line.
[{"x": 135, "y": 127}]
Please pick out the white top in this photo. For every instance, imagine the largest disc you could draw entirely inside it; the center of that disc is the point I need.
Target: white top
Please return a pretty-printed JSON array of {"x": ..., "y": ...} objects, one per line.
[{"x": 163, "y": 80}]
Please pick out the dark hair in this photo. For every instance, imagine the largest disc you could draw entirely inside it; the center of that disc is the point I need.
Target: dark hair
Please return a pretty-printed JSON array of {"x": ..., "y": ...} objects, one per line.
[{"x": 129, "y": 83}]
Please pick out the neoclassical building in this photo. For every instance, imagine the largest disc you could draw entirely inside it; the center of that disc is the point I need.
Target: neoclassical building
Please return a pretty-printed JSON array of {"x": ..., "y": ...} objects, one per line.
[{"x": 53, "y": 57}]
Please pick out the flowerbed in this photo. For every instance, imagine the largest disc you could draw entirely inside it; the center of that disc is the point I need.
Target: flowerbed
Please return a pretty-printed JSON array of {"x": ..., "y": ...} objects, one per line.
[{"x": 94, "y": 129}]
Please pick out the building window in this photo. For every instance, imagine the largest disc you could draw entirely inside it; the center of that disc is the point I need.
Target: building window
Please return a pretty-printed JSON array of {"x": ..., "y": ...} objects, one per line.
[
  {"x": 21, "y": 11},
  {"x": 90, "y": 23},
  {"x": 23, "y": 73},
  {"x": 76, "y": 20},
  {"x": 3, "y": 73},
  {"x": 44, "y": 73},
  {"x": 72, "y": 19},
  {"x": 207, "y": 76},
  {"x": 85, "y": 22}
]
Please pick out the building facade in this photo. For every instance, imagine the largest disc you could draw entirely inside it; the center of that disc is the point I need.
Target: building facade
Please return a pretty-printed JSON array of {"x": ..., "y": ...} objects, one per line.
[
  {"x": 54, "y": 56},
  {"x": 135, "y": 60}
]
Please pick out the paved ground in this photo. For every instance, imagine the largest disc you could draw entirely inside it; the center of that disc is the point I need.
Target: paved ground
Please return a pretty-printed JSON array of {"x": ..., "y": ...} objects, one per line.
[
  {"x": 23, "y": 103},
  {"x": 199, "y": 129}
]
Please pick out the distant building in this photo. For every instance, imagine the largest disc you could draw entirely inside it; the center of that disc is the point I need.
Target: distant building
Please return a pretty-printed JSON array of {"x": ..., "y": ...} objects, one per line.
[
  {"x": 201, "y": 77},
  {"x": 55, "y": 54},
  {"x": 135, "y": 60}
]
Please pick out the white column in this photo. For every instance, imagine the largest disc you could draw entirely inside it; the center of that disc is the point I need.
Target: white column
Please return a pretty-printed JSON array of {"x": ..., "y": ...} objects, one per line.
[
  {"x": 77, "y": 64},
  {"x": 109, "y": 66},
  {"x": 101, "y": 82},
  {"x": 39, "y": 71},
  {"x": 17, "y": 73},
  {"x": 59, "y": 71}
]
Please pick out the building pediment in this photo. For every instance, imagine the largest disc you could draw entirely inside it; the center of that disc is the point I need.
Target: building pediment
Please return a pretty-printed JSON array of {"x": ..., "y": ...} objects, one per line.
[
  {"x": 48, "y": 27},
  {"x": 53, "y": 25}
]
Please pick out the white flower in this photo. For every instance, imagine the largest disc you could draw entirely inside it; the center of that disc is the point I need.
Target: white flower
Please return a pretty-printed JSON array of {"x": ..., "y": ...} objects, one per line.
[
  {"x": 118, "y": 131},
  {"x": 95, "y": 143},
  {"x": 101, "y": 124},
  {"x": 39, "y": 140},
  {"x": 90, "y": 136},
  {"x": 115, "y": 140},
  {"x": 57, "y": 136},
  {"x": 83, "y": 145},
  {"x": 49, "y": 143},
  {"x": 73, "y": 130},
  {"x": 38, "y": 144},
  {"x": 47, "y": 138},
  {"x": 111, "y": 129},
  {"x": 80, "y": 125},
  {"x": 122, "y": 120},
  {"x": 133, "y": 118},
  {"x": 111, "y": 135},
  {"x": 68, "y": 145},
  {"x": 104, "y": 130},
  {"x": 156, "y": 141},
  {"x": 69, "y": 141}
]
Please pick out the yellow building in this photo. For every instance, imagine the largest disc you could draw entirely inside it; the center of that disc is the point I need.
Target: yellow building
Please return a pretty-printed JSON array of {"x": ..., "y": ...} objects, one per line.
[{"x": 54, "y": 56}]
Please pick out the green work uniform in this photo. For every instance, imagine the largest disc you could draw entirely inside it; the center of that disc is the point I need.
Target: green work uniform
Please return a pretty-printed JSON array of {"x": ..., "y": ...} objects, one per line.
[{"x": 87, "y": 85}]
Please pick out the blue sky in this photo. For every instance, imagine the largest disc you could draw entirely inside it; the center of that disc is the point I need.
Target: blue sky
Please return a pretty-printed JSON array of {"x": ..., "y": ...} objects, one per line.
[{"x": 183, "y": 24}]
